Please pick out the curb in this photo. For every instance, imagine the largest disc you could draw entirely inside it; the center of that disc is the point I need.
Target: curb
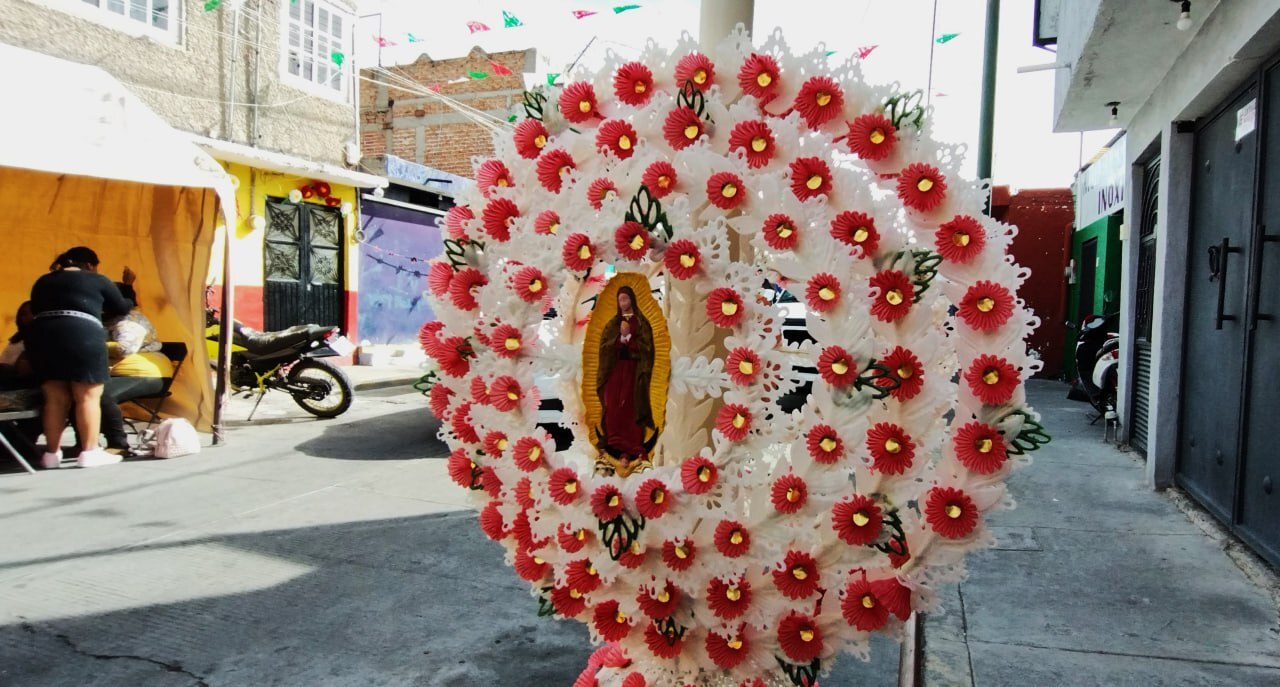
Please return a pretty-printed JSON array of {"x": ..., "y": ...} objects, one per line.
[{"x": 373, "y": 384}]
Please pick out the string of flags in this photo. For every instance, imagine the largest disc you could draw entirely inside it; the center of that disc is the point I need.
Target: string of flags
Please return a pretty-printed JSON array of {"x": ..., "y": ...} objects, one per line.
[{"x": 509, "y": 21}]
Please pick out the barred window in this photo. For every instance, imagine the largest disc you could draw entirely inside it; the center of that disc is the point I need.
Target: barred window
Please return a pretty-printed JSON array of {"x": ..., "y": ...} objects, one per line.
[
  {"x": 158, "y": 19},
  {"x": 316, "y": 38}
]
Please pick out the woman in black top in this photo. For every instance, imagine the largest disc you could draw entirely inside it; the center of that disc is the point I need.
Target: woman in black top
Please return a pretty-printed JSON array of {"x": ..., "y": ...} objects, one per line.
[{"x": 68, "y": 350}]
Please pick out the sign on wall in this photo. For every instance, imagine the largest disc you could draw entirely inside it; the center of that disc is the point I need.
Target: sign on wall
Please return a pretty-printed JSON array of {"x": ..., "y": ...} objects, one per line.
[{"x": 1100, "y": 187}]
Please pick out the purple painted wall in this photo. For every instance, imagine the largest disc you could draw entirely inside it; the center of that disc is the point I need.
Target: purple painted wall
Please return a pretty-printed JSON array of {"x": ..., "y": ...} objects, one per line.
[{"x": 397, "y": 243}]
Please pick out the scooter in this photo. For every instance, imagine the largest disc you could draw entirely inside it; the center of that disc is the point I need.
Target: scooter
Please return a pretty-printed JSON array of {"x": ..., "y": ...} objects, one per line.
[
  {"x": 290, "y": 360},
  {"x": 1097, "y": 357}
]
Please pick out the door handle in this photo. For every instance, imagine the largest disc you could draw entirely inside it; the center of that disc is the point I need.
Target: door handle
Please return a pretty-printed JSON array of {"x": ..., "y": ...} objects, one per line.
[
  {"x": 1255, "y": 295},
  {"x": 1219, "y": 259}
]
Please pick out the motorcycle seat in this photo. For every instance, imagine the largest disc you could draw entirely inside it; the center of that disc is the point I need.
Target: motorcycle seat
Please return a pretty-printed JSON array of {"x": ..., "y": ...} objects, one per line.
[{"x": 259, "y": 343}]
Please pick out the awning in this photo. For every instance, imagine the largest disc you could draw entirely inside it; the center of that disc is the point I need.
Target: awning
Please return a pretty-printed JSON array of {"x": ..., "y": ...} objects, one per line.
[{"x": 280, "y": 162}]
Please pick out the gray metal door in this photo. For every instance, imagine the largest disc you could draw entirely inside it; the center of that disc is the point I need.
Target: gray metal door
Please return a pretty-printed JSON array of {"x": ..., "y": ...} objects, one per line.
[
  {"x": 303, "y": 262},
  {"x": 1144, "y": 307},
  {"x": 1217, "y": 276}
]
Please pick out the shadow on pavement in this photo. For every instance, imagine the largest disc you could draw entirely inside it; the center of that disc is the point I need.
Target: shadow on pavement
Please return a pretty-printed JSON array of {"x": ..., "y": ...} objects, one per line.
[{"x": 399, "y": 436}]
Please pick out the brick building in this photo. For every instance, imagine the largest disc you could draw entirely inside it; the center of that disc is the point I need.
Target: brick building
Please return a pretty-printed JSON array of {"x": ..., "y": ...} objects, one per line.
[{"x": 422, "y": 129}]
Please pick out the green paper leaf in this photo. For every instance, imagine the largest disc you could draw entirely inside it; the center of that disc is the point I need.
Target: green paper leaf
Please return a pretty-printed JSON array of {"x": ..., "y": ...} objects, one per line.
[
  {"x": 337, "y": 57},
  {"x": 509, "y": 20},
  {"x": 477, "y": 75},
  {"x": 623, "y": 8},
  {"x": 946, "y": 37},
  {"x": 551, "y": 78}
]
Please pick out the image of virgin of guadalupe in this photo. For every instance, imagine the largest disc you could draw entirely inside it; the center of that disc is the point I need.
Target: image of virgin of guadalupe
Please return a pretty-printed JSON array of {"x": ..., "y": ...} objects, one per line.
[{"x": 622, "y": 384}]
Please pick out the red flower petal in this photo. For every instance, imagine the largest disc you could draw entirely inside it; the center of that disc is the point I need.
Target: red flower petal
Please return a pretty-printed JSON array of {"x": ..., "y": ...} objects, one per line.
[
  {"x": 659, "y": 603},
  {"x": 871, "y": 136},
  {"x": 788, "y": 494},
  {"x": 547, "y": 223},
  {"x": 490, "y": 482},
  {"x": 438, "y": 400},
  {"x": 733, "y": 420},
  {"x": 578, "y": 102},
  {"x": 606, "y": 502},
  {"x": 530, "y": 567},
  {"x": 610, "y": 622},
  {"x": 858, "y": 231},
  {"x": 861, "y": 608},
  {"x": 908, "y": 372},
  {"x": 892, "y": 450},
  {"x": 505, "y": 393},
  {"x": 660, "y": 178},
  {"x": 758, "y": 77},
  {"x": 950, "y": 512},
  {"x": 479, "y": 392},
  {"x": 678, "y": 555},
  {"x": 728, "y": 600},
  {"x": 491, "y": 521},
  {"x": 798, "y": 577},
  {"x": 633, "y": 84},
  {"x": 601, "y": 190},
  {"x": 724, "y": 307},
  {"x": 530, "y": 137},
  {"x": 682, "y": 127},
  {"x": 497, "y": 217},
  {"x": 800, "y": 637},
  {"x": 894, "y": 595},
  {"x": 960, "y": 239},
  {"x": 819, "y": 101},
  {"x": 564, "y": 486},
  {"x": 463, "y": 287},
  {"x": 571, "y": 540},
  {"x": 858, "y": 520},
  {"x": 698, "y": 475},
  {"x": 530, "y": 284},
  {"x": 725, "y": 190},
  {"x": 582, "y": 576},
  {"x": 453, "y": 355},
  {"x": 506, "y": 341},
  {"x": 992, "y": 379},
  {"x": 892, "y": 292},
  {"x": 696, "y": 68},
  {"x": 529, "y": 454},
  {"x": 578, "y": 253},
  {"x": 822, "y": 293},
  {"x": 780, "y": 232},
  {"x": 653, "y": 499},
  {"x": 810, "y": 178},
  {"x": 439, "y": 275},
  {"x": 455, "y": 221},
  {"x": 568, "y": 603},
  {"x": 743, "y": 365},
  {"x": 921, "y": 187},
  {"x": 682, "y": 258},
  {"x": 837, "y": 367},
  {"x": 755, "y": 138},
  {"x": 727, "y": 652},
  {"x": 660, "y": 645},
  {"x": 980, "y": 448},
  {"x": 495, "y": 443},
  {"x": 824, "y": 444},
  {"x": 618, "y": 137},
  {"x": 525, "y": 497},
  {"x": 732, "y": 539},
  {"x": 986, "y": 306},
  {"x": 553, "y": 167},
  {"x": 634, "y": 556},
  {"x": 632, "y": 240},
  {"x": 462, "y": 470},
  {"x": 492, "y": 174}
]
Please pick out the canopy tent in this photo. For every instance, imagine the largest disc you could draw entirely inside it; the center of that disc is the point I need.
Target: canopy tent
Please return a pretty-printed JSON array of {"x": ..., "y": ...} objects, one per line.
[{"x": 87, "y": 163}]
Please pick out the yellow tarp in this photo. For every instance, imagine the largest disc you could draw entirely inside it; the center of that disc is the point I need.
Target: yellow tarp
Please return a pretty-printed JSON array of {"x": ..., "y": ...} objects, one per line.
[{"x": 163, "y": 233}]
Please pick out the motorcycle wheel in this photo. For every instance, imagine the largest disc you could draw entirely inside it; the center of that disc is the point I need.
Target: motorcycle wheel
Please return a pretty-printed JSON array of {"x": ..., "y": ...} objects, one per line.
[{"x": 330, "y": 391}]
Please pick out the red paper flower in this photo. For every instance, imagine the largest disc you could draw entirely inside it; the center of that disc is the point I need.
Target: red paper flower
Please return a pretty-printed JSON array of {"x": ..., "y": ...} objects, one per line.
[
  {"x": 788, "y": 494},
  {"x": 837, "y": 367},
  {"x": 601, "y": 190},
  {"x": 462, "y": 290},
  {"x": 871, "y": 136},
  {"x": 653, "y": 499},
  {"x": 725, "y": 190},
  {"x": 578, "y": 102},
  {"x": 568, "y": 602},
  {"x": 992, "y": 379},
  {"x": 743, "y": 365},
  {"x": 490, "y": 482},
  {"x": 724, "y": 307},
  {"x": 960, "y": 239},
  {"x": 530, "y": 137},
  {"x": 530, "y": 284},
  {"x": 755, "y": 139},
  {"x": 800, "y": 637},
  {"x": 571, "y": 540},
  {"x": 633, "y": 557},
  {"x": 455, "y": 220},
  {"x": 822, "y": 293},
  {"x": 780, "y": 232},
  {"x": 921, "y": 187},
  {"x": 492, "y": 174},
  {"x": 682, "y": 258},
  {"x": 461, "y": 468},
  {"x": 634, "y": 679},
  {"x": 578, "y": 253},
  {"x": 733, "y": 420},
  {"x": 618, "y": 137},
  {"x": 727, "y": 652},
  {"x": 438, "y": 400},
  {"x": 697, "y": 68},
  {"x": 980, "y": 448},
  {"x": 582, "y": 576},
  {"x": 906, "y": 370},
  {"x": 986, "y": 306},
  {"x": 728, "y": 600},
  {"x": 861, "y": 608},
  {"x": 633, "y": 84},
  {"x": 429, "y": 333},
  {"x": 899, "y": 558},
  {"x": 660, "y": 178},
  {"x": 497, "y": 217},
  {"x": 564, "y": 486},
  {"x": 505, "y": 393},
  {"x": 892, "y": 291},
  {"x": 682, "y": 127},
  {"x": 632, "y": 240},
  {"x": 439, "y": 275},
  {"x": 453, "y": 356},
  {"x": 322, "y": 188},
  {"x": 553, "y": 167},
  {"x": 506, "y": 341},
  {"x": 529, "y": 454},
  {"x": 524, "y": 496},
  {"x": 892, "y": 450},
  {"x": 857, "y": 521},
  {"x": 659, "y": 603},
  {"x": 819, "y": 101},
  {"x": 606, "y": 502},
  {"x": 610, "y": 622},
  {"x": 824, "y": 444},
  {"x": 547, "y": 223},
  {"x": 491, "y": 521},
  {"x": 950, "y": 512},
  {"x": 308, "y": 191},
  {"x": 678, "y": 555},
  {"x": 731, "y": 539},
  {"x": 858, "y": 231},
  {"x": 758, "y": 77},
  {"x": 479, "y": 392},
  {"x": 661, "y": 645},
  {"x": 530, "y": 567},
  {"x": 495, "y": 443},
  {"x": 810, "y": 178},
  {"x": 798, "y": 577},
  {"x": 698, "y": 475}
]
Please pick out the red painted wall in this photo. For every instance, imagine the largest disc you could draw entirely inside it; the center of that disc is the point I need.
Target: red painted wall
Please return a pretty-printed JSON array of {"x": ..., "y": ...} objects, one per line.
[{"x": 1043, "y": 218}]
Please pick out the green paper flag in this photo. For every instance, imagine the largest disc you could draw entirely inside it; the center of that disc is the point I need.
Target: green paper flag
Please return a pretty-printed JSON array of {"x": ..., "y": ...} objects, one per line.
[
  {"x": 337, "y": 58},
  {"x": 946, "y": 37},
  {"x": 623, "y": 8},
  {"x": 212, "y": 5},
  {"x": 512, "y": 118},
  {"x": 477, "y": 75},
  {"x": 830, "y": 53},
  {"x": 551, "y": 78},
  {"x": 509, "y": 20}
]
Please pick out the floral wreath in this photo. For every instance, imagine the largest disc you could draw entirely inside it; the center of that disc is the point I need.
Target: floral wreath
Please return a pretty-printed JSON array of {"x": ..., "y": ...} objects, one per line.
[{"x": 761, "y": 543}]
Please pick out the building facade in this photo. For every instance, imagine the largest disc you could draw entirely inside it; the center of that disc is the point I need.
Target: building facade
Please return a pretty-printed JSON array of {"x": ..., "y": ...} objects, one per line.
[
  {"x": 267, "y": 87},
  {"x": 1199, "y": 98}
]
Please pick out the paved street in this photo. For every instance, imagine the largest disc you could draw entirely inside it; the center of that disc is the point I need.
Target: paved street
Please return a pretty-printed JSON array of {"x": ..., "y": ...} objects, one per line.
[{"x": 337, "y": 553}]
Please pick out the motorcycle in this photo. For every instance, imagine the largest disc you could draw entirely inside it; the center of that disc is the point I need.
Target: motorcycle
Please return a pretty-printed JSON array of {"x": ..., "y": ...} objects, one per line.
[
  {"x": 1097, "y": 357},
  {"x": 290, "y": 360}
]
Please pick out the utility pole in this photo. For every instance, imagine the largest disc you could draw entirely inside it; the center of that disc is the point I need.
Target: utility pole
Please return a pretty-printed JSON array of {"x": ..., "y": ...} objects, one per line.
[{"x": 987, "y": 118}]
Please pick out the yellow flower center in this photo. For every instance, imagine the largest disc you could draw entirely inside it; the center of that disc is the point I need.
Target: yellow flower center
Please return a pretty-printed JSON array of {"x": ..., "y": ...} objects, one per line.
[
  {"x": 984, "y": 445},
  {"x": 624, "y": 142},
  {"x": 861, "y": 519},
  {"x": 839, "y": 367},
  {"x": 892, "y": 446},
  {"x": 729, "y": 308},
  {"x": 738, "y": 421},
  {"x": 953, "y": 511},
  {"x": 564, "y": 170},
  {"x": 581, "y": 534},
  {"x": 924, "y": 184},
  {"x": 746, "y": 368},
  {"x": 514, "y": 396},
  {"x": 553, "y": 227},
  {"x": 877, "y": 136},
  {"x": 691, "y": 131},
  {"x": 733, "y": 593},
  {"x": 906, "y": 372},
  {"x": 894, "y": 297},
  {"x": 986, "y": 304},
  {"x": 535, "y": 452},
  {"x": 590, "y": 569},
  {"x": 584, "y": 252},
  {"x": 538, "y": 560},
  {"x": 860, "y": 234},
  {"x": 502, "y": 181},
  {"x": 735, "y": 538},
  {"x": 658, "y": 496},
  {"x": 681, "y": 552},
  {"x": 637, "y": 242},
  {"x": 827, "y": 444},
  {"x": 540, "y": 140},
  {"x": 704, "y": 474},
  {"x": 511, "y": 344},
  {"x": 688, "y": 260},
  {"x": 799, "y": 573},
  {"x": 759, "y": 143},
  {"x": 826, "y": 294},
  {"x": 503, "y": 443},
  {"x": 700, "y": 77},
  {"x": 991, "y": 377},
  {"x": 960, "y": 238},
  {"x": 664, "y": 181},
  {"x": 868, "y": 601},
  {"x": 620, "y": 617},
  {"x": 571, "y": 486},
  {"x": 635, "y": 547},
  {"x": 575, "y": 593},
  {"x": 639, "y": 87},
  {"x": 535, "y": 286},
  {"x": 614, "y": 501},
  {"x": 814, "y": 182},
  {"x": 823, "y": 98},
  {"x": 584, "y": 106},
  {"x": 763, "y": 79},
  {"x": 664, "y": 596},
  {"x": 729, "y": 190},
  {"x": 735, "y": 643},
  {"x": 807, "y": 635},
  {"x": 793, "y": 495},
  {"x": 784, "y": 230}
]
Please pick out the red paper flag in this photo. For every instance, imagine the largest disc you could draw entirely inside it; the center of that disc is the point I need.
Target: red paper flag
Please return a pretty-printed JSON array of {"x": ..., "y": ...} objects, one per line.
[
  {"x": 435, "y": 87},
  {"x": 578, "y": 14},
  {"x": 865, "y": 51},
  {"x": 476, "y": 26},
  {"x": 499, "y": 69},
  {"x": 383, "y": 42}
]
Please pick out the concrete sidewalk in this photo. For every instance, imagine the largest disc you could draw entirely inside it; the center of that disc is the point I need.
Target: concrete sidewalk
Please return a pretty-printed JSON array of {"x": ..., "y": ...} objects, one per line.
[{"x": 370, "y": 377}]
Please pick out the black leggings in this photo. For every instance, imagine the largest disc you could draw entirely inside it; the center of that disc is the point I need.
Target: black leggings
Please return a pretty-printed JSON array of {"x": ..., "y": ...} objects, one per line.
[{"x": 116, "y": 391}]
